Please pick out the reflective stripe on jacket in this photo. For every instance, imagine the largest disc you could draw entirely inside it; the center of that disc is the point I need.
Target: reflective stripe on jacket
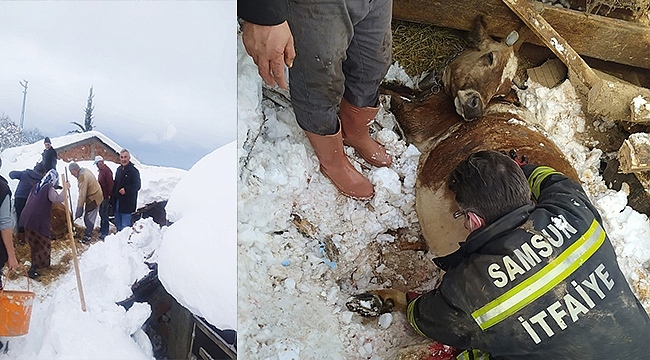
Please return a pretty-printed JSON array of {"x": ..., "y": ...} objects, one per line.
[{"x": 540, "y": 283}]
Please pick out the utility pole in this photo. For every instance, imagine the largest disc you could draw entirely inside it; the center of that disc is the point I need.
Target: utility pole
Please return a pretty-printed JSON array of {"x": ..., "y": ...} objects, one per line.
[{"x": 22, "y": 114}]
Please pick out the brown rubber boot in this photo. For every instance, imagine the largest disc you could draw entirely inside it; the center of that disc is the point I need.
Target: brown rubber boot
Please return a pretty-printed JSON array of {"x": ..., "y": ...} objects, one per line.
[
  {"x": 336, "y": 166},
  {"x": 355, "y": 122}
]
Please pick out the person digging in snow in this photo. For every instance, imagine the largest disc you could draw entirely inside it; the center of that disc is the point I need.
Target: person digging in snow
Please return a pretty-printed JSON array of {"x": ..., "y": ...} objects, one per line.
[
  {"x": 36, "y": 219},
  {"x": 90, "y": 197},
  {"x": 26, "y": 181},
  {"x": 535, "y": 279}
]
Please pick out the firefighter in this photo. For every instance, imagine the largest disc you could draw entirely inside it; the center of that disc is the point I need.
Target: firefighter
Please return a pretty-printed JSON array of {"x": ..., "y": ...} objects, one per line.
[{"x": 535, "y": 279}]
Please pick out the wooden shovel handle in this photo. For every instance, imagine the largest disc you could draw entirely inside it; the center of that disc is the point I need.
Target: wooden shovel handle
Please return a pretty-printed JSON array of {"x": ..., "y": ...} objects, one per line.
[
  {"x": 553, "y": 41},
  {"x": 75, "y": 261}
]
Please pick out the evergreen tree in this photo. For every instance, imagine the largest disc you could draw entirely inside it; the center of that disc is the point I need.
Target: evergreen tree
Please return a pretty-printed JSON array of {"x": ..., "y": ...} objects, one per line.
[{"x": 88, "y": 120}]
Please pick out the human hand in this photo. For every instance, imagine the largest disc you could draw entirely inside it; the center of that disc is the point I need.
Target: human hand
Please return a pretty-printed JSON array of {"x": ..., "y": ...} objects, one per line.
[
  {"x": 12, "y": 262},
  {"x": 271, "y": 48},
  {"x": 122, "y": 191},
  {"x": 520, "y": 161},
  {"x": 376, "y": 302}
]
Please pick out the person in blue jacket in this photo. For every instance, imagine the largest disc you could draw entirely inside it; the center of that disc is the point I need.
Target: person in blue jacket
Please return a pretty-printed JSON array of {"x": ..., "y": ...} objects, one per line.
[{"x": 537, "y": 277}]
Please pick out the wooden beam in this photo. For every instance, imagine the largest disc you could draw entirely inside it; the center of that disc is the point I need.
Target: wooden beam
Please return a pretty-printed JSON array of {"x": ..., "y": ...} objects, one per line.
[
  {"x": 634, "y": 154},
  {"x": 595, "y": 36}
]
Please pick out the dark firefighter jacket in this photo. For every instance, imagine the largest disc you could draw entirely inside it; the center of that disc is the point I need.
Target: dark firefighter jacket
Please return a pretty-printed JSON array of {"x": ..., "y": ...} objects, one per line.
[{"x": 540, "y": 283}]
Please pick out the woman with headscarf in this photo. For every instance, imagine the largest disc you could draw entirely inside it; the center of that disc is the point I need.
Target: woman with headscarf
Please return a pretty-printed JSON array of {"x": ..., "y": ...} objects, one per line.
[{"x": 36, "y": 219}]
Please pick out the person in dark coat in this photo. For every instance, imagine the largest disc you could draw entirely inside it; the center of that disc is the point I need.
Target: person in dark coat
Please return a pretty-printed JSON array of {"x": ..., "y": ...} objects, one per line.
[
  {"x": 36, "y": 219},
  {"x": 27, "y": 179},
  {"x": 7, "y": 253},
  {"x": 534, "y": 279},
  {"x": 49, "y": 156},
  {"x": 105, "y": 178},
  {"x": 125, "y": 191}
]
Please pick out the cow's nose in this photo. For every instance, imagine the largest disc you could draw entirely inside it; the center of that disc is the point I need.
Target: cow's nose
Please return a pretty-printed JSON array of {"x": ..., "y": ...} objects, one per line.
[
  {"x": 472, "y": 107},
  {"x": 474, "y": 102},
  {"x": 469, "y": 104}
]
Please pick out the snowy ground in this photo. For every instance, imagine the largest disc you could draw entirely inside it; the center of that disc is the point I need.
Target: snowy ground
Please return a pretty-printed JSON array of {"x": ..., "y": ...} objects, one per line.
[
  {"x": 196, "y": 259},
  {"x": 303, "y": 248}
]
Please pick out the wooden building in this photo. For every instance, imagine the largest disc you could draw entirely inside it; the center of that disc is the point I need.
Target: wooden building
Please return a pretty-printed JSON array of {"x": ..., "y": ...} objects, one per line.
[{"x": 87, "y": 149}]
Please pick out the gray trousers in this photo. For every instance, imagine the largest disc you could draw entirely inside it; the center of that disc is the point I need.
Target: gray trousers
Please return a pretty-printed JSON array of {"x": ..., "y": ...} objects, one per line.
[
  {"x": 343, "y": 48},
  {"x": 89, "y": 220}
]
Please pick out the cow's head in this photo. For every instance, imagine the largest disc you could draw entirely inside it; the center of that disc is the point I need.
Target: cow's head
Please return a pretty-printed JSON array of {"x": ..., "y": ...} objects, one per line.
[{"x": 481, "y": 72}]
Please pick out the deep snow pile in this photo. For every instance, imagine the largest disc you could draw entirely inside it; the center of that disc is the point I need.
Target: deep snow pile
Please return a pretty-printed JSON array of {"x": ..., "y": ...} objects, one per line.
[
  {"x": 198, "y": 255},
  {"x": 303, "y": 248},
  {"x": 196, "y": 262},
  {"x": 59, "y": 328}
]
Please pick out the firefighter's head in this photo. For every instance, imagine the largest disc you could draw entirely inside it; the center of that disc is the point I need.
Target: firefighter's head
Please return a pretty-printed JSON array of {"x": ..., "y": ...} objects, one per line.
[{"x": 488, "y": 185}]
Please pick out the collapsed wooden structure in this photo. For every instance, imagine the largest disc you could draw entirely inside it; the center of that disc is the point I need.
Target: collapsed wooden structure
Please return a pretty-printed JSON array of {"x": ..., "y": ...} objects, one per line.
[
  {"x": 605, "y": 39},
  {"x": 594, "y": 36}
]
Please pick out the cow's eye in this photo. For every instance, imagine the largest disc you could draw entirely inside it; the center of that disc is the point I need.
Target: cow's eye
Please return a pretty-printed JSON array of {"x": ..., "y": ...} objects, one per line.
[{"x": 490, "y": 57}]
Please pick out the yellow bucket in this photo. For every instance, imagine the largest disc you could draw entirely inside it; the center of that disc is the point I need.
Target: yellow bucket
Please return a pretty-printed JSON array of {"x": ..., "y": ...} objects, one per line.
[{"x": 15, "y": 311}]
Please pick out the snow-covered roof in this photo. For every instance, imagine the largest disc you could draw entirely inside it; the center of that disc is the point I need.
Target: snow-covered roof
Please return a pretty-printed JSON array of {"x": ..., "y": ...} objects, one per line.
[
  {"x": 157, "y": 181},
  {"x": 71, "y": 139}
]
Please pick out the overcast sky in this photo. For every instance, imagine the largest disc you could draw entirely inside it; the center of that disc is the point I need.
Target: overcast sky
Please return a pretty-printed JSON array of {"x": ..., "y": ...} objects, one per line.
[{"x": 163, "y": 73}]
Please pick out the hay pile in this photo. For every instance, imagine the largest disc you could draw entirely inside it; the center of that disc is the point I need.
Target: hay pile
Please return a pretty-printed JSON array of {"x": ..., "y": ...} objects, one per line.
[
  {"x": 421, "y": 48},
  {"x": 61, "y": 256}
]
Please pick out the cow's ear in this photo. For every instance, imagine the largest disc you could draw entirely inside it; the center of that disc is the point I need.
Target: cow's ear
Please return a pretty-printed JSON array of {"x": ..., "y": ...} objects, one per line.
[{"x": 478, "y": 32}]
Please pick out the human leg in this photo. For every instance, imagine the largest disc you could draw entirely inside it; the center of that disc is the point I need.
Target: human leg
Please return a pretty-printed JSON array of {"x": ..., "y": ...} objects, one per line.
[
  {"x": 103, "y": 218},
  {"x": 368, "y": 60},
  {"x": 40, "y": 251},
  {"x": 122, "y": 220},
  {"x": 335, "y": 165},
  {"x": 355, "y": 122},
  {"x": 19, "y": 205},
  {"x": 126, "y": 219},
  {"x": 89, "y": 220},
  {"x": 118, "y": 219},
  {"x": 317, "y": 84}
]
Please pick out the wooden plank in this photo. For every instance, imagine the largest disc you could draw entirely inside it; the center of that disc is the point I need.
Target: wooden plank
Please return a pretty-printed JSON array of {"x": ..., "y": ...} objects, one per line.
[
  {"x": 595, "y": 36},
  {"x": 640, "y": 108},
  {"x": 634, "y": 154},
  {"x": 554, "y": 41}
]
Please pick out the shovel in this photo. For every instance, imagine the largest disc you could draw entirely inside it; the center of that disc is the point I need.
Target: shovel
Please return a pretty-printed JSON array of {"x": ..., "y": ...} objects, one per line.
[{"x": 610, "y": 98}]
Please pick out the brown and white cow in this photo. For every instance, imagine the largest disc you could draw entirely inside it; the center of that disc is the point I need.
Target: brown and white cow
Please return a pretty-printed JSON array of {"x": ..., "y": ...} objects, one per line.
[{"x": 468, "y": 117}]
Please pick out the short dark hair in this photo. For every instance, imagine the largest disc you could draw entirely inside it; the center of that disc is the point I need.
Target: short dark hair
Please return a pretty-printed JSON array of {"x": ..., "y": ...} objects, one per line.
[{"x": 489, "y": 184}]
